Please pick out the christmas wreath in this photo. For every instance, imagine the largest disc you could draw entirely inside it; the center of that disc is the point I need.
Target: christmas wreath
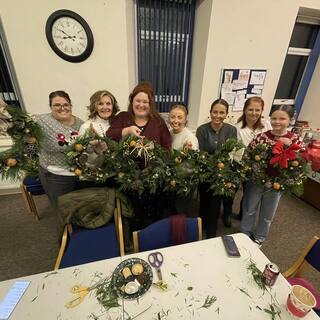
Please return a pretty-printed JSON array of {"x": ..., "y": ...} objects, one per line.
[
  {"x": 279, "y": 167},
  {"x": 22, "y": 158},
  {"x": 140, "y": 164},
  {"x": 225, "y": 170},
  {"x": 92, "y": 157},
  {"x": 183, "y": 170}
]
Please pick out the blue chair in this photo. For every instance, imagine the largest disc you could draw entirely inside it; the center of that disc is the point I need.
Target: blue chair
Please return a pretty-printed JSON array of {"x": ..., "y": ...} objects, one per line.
[
  {"x": 31, "y": 186},
  {"x": 82, "y": 245},
  {"x": 309, "y": 258},
  {"x": 158, "y": 235}
]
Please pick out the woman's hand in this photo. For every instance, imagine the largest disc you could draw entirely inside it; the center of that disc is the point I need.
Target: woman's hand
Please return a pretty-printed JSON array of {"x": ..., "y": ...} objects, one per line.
[{"x": 133, "y": 130}]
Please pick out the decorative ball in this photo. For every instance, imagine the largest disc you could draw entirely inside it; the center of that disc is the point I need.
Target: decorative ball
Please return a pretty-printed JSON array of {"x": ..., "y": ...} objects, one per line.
[
  {"x": 78, "y": 147},
  {"x": 295, "y": 163},
  {"x": 177, "y": 160},
  {"x": 77, "y": 172},
  {"x": 133, "y": 143},
  {"x": 220, "y": 165},
  {"x": 31, "y": 149},
  {"x": 32, "y": 140},
  {"x": 11, "y": 162},
  {"x": 276, "y": 186},
  {"x": 228, "y": 185},
  {"x": 173, "y": 183},
  {"x": 257, "y": 157},
  {"x": 120, "y": 175}
]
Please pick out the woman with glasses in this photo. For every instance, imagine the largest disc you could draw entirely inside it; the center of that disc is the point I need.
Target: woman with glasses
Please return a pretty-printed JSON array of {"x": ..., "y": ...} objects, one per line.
[
  {"x": 58, "y": 126},
  {"x": 103, "y": 107}
]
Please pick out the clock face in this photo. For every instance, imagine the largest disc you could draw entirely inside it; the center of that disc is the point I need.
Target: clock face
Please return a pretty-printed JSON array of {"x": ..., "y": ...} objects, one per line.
[{"x": 69, "y": 35}]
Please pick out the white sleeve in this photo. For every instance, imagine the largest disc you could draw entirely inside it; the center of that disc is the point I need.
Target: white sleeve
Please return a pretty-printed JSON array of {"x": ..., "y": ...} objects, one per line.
[{"x": 84, "y": 127}]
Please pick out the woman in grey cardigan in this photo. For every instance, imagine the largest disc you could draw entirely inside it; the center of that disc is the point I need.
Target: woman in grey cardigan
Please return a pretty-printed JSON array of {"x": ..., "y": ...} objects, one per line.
[
  {"x": 58, "y": 126},
  {"x": 211, "y": 136}
]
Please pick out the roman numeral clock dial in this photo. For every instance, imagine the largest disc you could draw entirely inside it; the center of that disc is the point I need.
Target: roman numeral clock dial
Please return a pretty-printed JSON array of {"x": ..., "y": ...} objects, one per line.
[{"x": 69, "y": 36}]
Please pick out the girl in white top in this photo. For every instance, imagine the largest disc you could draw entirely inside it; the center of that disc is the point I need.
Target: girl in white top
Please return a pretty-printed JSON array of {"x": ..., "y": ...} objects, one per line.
[
  {"x": 250, "y": 123},
  {"x": 181, "y": 135},
  {"x": 103, "y": 107}
]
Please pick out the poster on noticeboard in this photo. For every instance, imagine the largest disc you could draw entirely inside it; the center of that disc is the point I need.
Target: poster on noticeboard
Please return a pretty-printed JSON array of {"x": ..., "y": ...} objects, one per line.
[{"x": 237, "y": 85}]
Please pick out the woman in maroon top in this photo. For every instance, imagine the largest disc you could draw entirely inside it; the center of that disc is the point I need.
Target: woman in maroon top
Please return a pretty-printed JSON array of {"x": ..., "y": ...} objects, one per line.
[{"x": 142, "y": 118}]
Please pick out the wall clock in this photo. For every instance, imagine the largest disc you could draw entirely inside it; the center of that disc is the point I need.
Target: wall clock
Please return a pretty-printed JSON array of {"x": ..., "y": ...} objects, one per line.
[{"x": 69, "y": 35}]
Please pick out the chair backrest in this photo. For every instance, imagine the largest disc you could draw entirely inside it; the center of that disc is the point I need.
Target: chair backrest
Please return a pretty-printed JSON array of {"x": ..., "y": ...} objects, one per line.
[
  {"x": 158, "y": 235},
  {"x": 310, "y": 256},
  {"x": 33, "y": 185},
  {"x": 82, "y": 245}
]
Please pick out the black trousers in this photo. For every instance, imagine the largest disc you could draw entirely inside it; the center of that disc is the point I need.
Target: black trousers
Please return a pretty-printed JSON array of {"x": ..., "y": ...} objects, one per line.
[{"x": 210, "y": 208}]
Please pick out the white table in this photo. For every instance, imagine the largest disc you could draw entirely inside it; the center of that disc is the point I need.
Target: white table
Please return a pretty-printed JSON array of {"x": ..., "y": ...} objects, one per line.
[{"x": 192, "y": 271}]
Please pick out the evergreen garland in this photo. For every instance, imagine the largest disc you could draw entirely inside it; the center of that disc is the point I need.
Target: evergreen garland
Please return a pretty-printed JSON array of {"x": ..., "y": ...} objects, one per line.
[{"x": 22, "y": 158}]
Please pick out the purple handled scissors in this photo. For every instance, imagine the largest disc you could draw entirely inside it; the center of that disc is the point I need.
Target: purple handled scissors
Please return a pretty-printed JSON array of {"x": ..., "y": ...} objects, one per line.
[{"x": 156, "y": 261}]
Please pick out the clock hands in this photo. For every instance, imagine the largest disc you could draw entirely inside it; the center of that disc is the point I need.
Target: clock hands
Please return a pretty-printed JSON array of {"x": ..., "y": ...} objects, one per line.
[{"x": 67, "y": 36}]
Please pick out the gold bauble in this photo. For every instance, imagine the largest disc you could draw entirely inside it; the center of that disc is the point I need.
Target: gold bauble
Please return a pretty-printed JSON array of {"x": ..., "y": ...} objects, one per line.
[
  {"x": 11, "y": 162},
  {"x": 77, "y": 172},
  {"x": 220, "y": 165},
  {"x": 78, "y": 147},
  {"x": 276, "y": 186},
  {"x": 257, "y": 157}
]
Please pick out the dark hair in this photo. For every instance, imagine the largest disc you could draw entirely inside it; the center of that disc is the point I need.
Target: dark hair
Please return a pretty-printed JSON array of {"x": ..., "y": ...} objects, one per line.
[
  {"x": 180, "y": 107},
  {"x": 59, "y": 93},
  {"x": 146, "y": 88},
  {"x": 243, "y": 119},
  {"x": 220, "y": 101},
  {"x": 95, "y": 99},
  {"x": 288, "y": 109}
]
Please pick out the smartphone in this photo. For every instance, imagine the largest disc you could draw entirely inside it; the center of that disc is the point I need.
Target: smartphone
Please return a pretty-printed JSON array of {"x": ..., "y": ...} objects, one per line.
[{"x": 230, "y": 246}]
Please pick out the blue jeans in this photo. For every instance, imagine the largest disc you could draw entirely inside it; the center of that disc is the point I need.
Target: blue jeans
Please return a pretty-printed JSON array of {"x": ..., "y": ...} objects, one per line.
[{"x": 268, "y": 201}]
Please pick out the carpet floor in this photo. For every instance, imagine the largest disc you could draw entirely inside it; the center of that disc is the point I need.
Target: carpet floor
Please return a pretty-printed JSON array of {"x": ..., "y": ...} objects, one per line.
[{"x": 28, "y": 246}]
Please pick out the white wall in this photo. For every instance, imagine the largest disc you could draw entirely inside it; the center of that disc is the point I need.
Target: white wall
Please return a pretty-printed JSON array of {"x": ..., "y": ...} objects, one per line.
[
  {"x": 242, "y": 34},
  {"x": 39, "y": 70},
  {"x": 233, "y": 34}
]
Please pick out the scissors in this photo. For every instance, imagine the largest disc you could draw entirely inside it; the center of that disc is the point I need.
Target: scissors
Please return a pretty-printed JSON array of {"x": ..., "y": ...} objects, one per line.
[
  {"x": 81, "y": 292},
  {"x": 156, "y": 261}
]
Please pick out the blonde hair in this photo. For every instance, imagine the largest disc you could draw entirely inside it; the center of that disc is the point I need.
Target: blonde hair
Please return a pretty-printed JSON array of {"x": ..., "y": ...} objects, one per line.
[{"x": 180, "y": 107}]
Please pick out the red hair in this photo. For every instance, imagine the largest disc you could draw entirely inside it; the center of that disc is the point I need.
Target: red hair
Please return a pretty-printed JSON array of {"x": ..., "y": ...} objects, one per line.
[{"x": 146, "y": 88}]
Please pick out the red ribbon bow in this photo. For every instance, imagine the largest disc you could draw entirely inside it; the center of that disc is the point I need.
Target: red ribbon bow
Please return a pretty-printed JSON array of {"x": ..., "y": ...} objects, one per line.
[{"x": 282, "y": 154}]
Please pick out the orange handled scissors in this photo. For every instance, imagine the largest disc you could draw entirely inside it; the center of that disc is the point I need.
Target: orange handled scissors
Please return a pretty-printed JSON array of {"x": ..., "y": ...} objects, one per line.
[{"x": 81, "y": 292}]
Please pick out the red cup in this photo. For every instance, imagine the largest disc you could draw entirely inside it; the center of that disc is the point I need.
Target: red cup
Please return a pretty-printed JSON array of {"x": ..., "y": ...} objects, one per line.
[{"x": 300, "y": 301}]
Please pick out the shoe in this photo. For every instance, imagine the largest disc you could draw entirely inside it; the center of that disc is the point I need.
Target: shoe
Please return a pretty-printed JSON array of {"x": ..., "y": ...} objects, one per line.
[
  {"x": 256, "y": 241},
  {"x": 227, "y": 221}
]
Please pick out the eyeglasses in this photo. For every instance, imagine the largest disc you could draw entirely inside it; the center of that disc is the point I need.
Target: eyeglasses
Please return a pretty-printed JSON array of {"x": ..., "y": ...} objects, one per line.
[{"x": 58, "y": 106}]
